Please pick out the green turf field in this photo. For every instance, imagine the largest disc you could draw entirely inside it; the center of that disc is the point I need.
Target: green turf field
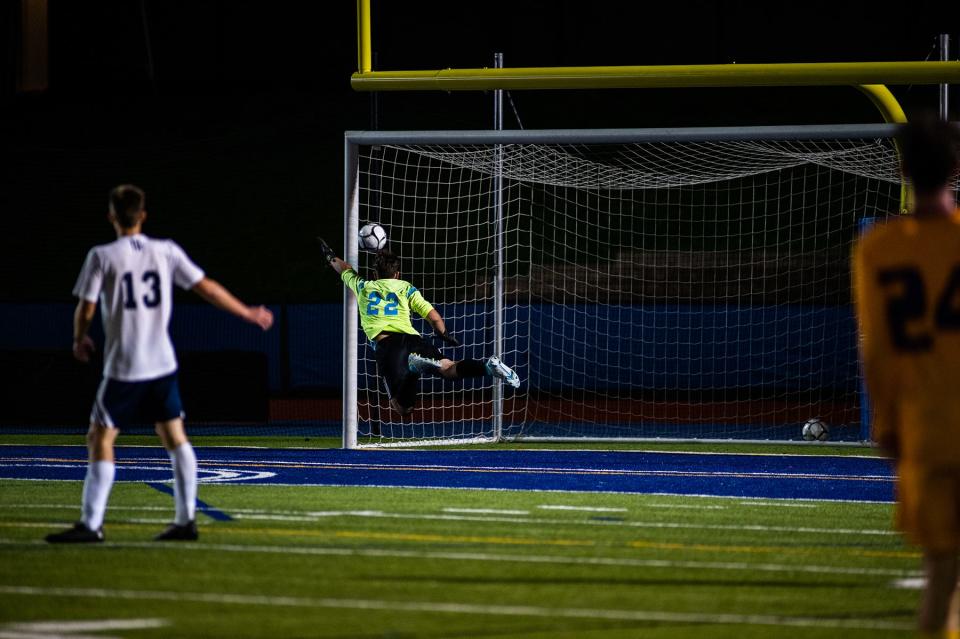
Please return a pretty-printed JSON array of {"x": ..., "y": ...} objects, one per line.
[{"x": 375, "y": 562}]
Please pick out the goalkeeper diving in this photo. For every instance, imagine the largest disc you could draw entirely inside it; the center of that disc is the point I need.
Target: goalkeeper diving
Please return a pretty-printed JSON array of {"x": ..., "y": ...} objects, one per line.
[{"x": 401, "y": 352}]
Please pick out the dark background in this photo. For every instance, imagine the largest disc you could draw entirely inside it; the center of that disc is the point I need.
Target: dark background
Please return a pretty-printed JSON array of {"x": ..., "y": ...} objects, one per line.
[{"x": 231, "y": 114}]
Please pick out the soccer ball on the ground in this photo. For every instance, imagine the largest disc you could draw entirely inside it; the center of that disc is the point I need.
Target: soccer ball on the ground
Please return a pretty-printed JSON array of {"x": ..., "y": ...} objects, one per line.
[
  {"x": 816, "y": 430},
  {"x": 373, "y": 237}
]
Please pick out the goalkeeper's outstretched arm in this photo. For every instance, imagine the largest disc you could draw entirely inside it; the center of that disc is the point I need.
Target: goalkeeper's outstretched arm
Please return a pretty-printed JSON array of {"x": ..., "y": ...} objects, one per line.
[
  {"x": 335, "y": 262},
  {"x": 339, "y": 265}
]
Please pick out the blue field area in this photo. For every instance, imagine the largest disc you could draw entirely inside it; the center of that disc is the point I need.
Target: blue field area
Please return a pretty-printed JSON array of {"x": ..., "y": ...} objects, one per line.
[{"x": 847, "y": 478}]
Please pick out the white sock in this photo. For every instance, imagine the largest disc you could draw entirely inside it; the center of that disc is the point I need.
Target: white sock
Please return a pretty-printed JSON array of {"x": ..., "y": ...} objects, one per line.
[
  {"x": 96, "y": 491},
  {"x": 184, "y": 463}
]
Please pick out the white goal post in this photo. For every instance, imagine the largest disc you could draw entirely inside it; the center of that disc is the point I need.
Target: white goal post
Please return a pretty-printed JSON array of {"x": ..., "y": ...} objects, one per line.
[{"x": 644, "y": 283}]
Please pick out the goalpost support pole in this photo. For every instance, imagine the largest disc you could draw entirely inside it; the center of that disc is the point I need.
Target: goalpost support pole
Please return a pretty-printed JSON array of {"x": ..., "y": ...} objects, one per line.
[
  {"x": 944, "y": 45},
  {"x": 498, "y": 274},
  {"x": 364, "y": 40},
  {"x": 866, "y": 414},
  {"x": 351, "y": 214}
]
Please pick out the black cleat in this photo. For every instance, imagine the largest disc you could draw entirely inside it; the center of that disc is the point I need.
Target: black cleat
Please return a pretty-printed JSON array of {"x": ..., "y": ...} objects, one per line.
[
  {"x": 78, "y": 534},
  {"x": 187, "y": 532}
]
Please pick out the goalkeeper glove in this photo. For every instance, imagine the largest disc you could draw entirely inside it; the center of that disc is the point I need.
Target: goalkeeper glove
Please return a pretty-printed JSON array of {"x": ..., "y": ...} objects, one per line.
[
  {"x": 447, "y": 338},
  {"x": 328, "y": 253}
]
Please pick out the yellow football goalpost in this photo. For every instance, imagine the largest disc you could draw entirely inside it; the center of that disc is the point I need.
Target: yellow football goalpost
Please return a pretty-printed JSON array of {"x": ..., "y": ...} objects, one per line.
[{"x": 871, "y": 78}]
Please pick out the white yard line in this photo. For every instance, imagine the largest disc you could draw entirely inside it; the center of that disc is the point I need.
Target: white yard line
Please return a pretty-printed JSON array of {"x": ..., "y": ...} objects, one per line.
[
  {"x": 687, "y": 506},
  {"x": 486, "y": 511},
  {"x": 909, "y": 583},
  {"x": 94, "y": 625},
  {"x": 456, "y": 608},
  {"x": 628, "y": 562},
  {"x": 74, "y": 629},
  {"x": 785, "y": 504},
  {"x": 313, "y": 516},
  {"x": 545, "y": 491},
  {"x": 205, "y": 475},
  {"x": 552, "y": 470},
  {"x": 589, "y": 509}
]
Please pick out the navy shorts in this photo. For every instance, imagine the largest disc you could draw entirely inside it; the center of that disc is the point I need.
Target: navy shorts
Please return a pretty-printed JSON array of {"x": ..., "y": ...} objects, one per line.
[
  {"x": 391, "y": 355},
  {"x": 120, "y": 404}
]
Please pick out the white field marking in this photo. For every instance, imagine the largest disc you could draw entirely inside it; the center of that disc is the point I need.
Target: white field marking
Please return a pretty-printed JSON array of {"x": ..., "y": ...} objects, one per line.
[
  {"x": 95, "y": 625},
  {"x": 628, "y": 562},
  {"x": 548, "y": 491},
  {"x": 671, "y": 452},
  {"x": 77, "y": 506},
  {"x": 19, "y": 634},
  {"x": 486, "y": 511},
  {"x": 590, "y": 509},
  {"x": 54, "y": 524},
  {"x": 307, "y": 516},
  {"x": 688, "y": 506},
  {"x": 249, "y": 511},
  {"x": 909, "y": 583},
  {"x": 777, "y": 505},
  {"x": 721, "y": 453},
  {"x": 291, "y": 518},
  {"x": 588, "y": 522},
  {"x": 504, "y": 469},
  {"x": 565, "y": 471},
  {"x": 204, "y": 475},
  {"x": 458, "y": 608}
]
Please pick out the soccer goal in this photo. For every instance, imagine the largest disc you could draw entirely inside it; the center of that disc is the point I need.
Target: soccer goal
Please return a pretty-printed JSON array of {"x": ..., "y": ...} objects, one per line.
[{"x": 657, "y": 283}]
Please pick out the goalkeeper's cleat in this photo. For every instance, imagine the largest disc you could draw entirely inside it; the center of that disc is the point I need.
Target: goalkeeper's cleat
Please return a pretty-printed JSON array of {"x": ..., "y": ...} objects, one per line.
[
  {"x": 78, "y": 534},
  {"x": 500, "y": 370},
  {"x": 419, "y": 364},
  {"x": 186, "y": 532}
]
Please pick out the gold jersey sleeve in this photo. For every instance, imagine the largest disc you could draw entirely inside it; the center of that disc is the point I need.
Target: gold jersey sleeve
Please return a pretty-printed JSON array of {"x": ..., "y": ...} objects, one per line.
[{"x": 906, "y": 282}]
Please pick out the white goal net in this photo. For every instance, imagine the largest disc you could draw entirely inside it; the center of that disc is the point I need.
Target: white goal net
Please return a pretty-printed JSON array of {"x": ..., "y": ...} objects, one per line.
[{"x": 643, "y": 284}]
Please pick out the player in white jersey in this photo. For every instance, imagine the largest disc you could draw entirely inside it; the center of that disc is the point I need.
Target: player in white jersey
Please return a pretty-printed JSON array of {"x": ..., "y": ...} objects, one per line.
[{"x": 133, "y": 279}]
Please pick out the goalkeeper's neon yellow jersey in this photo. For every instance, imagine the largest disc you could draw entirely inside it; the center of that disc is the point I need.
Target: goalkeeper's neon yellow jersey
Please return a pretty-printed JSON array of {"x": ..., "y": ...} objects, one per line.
[{"x": 385, "y": 304}]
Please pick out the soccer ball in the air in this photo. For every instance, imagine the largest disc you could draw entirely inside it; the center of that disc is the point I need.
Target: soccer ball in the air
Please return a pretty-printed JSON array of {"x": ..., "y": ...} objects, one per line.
[
  {"x": 816, "y": 430},
  {"x": 373, "y": 237}
]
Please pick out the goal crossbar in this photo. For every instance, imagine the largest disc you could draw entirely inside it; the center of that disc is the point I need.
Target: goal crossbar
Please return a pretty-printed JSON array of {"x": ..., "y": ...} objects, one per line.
[{"x": 611, "y": 136}]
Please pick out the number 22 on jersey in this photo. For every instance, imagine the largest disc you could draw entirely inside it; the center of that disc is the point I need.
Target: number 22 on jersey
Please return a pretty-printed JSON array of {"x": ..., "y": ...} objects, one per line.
[
  {"x": 908, "y": 304},
  {"x": 374, "y": 303}
]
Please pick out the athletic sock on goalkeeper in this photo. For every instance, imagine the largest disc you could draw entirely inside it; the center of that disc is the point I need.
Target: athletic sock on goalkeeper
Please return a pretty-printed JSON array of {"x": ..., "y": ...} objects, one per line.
[{"x": 470, "y": 368}]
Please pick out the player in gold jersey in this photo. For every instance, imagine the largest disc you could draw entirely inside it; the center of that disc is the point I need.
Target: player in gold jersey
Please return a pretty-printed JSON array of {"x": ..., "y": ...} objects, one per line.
[
  {"x": 906, "y": 276},
  {"x": 402, "y": 354}
]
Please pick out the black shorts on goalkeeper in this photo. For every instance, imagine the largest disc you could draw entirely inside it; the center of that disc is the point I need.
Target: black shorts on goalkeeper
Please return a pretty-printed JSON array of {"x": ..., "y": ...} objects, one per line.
[{"x": 392, "y": 355}]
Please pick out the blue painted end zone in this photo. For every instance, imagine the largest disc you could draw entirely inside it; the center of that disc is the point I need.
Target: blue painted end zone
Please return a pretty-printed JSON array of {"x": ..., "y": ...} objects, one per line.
[{"x": 764, "y": 476}]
